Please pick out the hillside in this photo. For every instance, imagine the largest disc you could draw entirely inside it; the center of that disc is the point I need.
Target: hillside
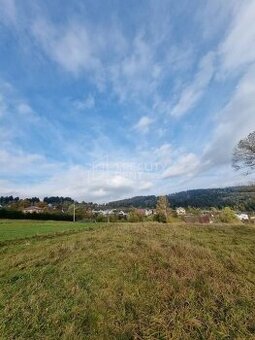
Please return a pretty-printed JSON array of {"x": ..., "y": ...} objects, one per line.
[{"x": 241, "y": 197}]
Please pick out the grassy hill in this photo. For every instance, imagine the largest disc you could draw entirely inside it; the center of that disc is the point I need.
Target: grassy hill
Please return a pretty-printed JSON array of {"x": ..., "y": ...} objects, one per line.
[
  {"x": 130, "y": 281},
  {"x": 241, "y": 197}
]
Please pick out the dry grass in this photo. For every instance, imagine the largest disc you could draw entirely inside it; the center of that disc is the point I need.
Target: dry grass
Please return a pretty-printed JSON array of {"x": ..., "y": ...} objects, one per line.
[{"x": 131, "y": 281}]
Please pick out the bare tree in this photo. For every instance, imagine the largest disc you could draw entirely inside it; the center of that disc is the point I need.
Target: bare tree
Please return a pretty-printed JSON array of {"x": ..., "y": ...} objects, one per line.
[{"x": 244, "y": 154}]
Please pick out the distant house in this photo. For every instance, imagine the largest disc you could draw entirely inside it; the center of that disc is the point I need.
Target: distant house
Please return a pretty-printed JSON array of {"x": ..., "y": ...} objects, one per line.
[
  {"x": 106, "y": 212},
  {"x": 148, "y": 212},
  {"x": 33, "y": 209},
  {"x": 98, "y": 212},
  {"x": 243, "y": 217},
  {"x": 180, "y": 211},
  {"x": 122, "y": 213}
]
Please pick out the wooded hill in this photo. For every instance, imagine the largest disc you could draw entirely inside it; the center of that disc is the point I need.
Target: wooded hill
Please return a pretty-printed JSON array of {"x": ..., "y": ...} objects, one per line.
[{"x": 240, "y": 198}]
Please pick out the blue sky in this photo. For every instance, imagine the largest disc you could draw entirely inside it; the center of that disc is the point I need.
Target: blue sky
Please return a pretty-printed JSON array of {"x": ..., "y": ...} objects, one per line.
[{"x": 101, "y": 100}]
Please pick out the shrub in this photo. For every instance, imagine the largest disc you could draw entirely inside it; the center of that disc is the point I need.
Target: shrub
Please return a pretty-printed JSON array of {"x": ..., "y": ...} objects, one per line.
[
  {"x": 101, "y": 218},
  {"x": 227, "y": 215},
  {"x": 160, "y": 217},
  {"x": 135, "y": 216}
]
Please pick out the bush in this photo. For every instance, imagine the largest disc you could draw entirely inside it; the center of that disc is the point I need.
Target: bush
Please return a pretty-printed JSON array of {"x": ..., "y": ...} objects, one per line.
[
  {"x": 162, "y": 218},
  {"x": 227, "y": 215},
  {"x": 135, "y": 216},
  {"x": 101, "y": 218}
]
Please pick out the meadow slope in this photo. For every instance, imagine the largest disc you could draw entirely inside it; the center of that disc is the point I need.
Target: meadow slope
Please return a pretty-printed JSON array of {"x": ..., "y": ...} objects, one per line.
[{"x": 130, "y": 281}]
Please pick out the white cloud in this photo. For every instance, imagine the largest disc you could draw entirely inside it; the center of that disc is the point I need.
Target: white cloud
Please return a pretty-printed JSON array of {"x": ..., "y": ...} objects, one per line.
[
  {"x": 71, "y": 46},
  {"x": 11, "y": 102},
  {"x": 163, "y": 152},
  {"x": 130, "y": 77},
  {"x": 194, "y": 91},
  {"x": 144, "y": 124},
  {"x": 79, "y": 182},
  {"x": 220, "y": 11},
  {"x": 132, "y": 66},
  {"x": 185, "y": 165},
  {"x": 235, "y": 121},
  {"x": 237, "y": 49},
  {"x": 17, "y": 163}
]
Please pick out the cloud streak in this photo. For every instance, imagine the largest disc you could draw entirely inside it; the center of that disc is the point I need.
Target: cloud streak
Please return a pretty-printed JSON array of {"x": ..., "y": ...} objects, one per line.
[{"x": 194, "y": 91}]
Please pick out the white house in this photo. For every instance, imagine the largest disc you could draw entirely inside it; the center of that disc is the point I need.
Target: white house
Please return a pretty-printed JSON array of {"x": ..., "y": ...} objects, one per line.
[
  {"x": 33, "y": 209},
  {"x": 122, "y": 213},
  {"x": 180, "y": 211},
  {"x": 104, "y": 212},
  {"x": 242, "y": 217},
  {"x": 148, "y": 212}
]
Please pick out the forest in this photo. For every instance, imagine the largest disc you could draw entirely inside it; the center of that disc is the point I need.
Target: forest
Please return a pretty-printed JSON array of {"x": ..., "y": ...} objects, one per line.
[{"x": 239, "y": 197}]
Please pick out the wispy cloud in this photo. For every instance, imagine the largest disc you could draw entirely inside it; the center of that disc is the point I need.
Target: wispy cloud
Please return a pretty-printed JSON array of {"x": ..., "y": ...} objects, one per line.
[
  {"x": 72, "y": 46},
  {"x": 194, "y": 91},
  {"x": 86, "y": 103},
  {"x": 235, "y": 121},
  {"x": 143, "y": 125},
  {"x": 236, "y": 50}
]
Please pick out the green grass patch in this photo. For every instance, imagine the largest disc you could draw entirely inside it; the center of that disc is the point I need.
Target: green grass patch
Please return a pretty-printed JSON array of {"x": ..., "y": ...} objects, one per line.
[
  {"x": 20, "y": 229},
  {"x": 131, "y": 281}
]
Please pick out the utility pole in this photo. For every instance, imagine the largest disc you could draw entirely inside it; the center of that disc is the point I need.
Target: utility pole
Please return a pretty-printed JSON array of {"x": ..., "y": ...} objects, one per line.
[{"x": 74, "y": 212}]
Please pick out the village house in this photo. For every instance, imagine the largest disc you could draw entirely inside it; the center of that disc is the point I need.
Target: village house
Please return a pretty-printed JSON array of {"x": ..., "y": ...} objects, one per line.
[
  {"x": 122, "y": 214},
  {"x": 180, "y": 211},
  {"x": 148, "y": 212},
  {"x": 33, "y": 209},
  {"x": 243, "y": 217},
  {"x": 108, "y": 212}
]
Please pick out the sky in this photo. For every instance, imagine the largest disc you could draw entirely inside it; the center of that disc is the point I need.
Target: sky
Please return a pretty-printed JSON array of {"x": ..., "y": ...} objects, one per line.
[{"x": 103, "y": 100}]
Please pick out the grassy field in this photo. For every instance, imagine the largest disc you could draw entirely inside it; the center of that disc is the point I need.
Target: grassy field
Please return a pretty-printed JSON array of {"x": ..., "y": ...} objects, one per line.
[
  {"x": 18, "y": 229},
  {"x": 130, "y": 281}
]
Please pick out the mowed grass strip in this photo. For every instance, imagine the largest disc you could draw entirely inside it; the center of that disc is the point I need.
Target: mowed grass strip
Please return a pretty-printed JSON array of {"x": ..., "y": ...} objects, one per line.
[
  {"x": 131, "y": 281},
  {"x": 20, "y": 229}
]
